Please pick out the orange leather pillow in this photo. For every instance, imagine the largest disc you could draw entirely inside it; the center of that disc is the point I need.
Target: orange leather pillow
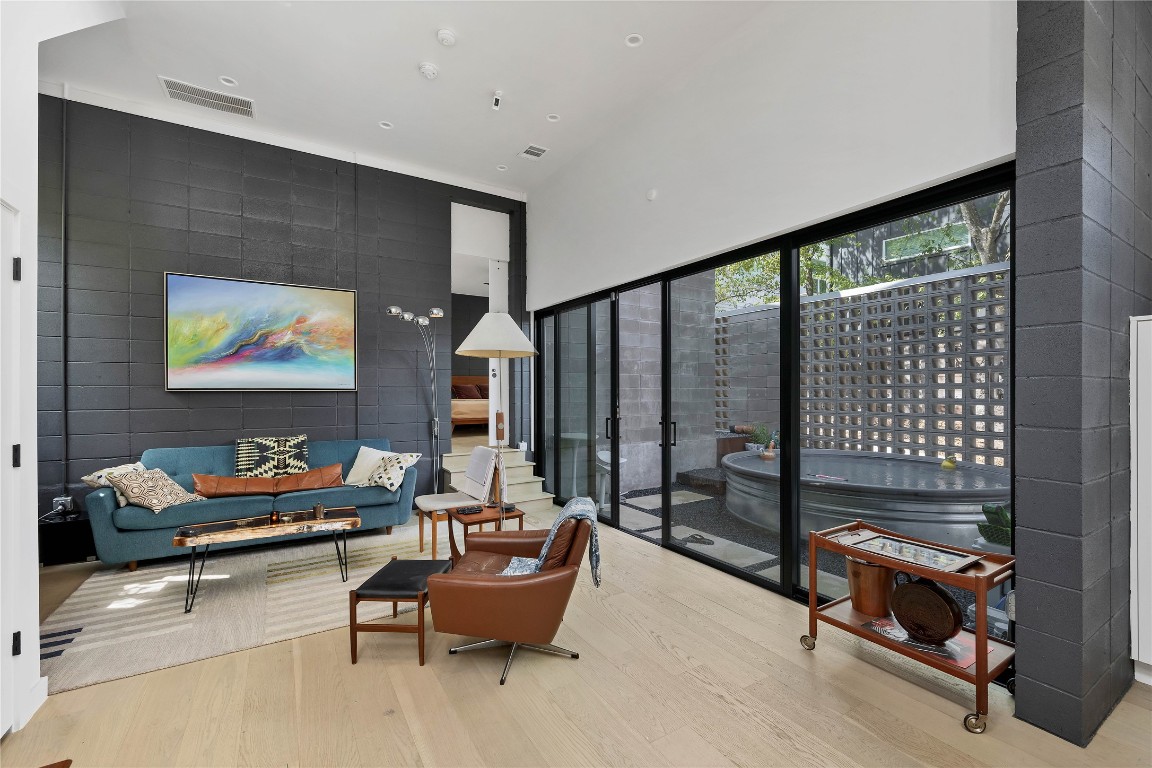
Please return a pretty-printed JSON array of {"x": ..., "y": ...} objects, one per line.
[
  {"x": 215, "y": 486},
  {"x": 321, "y": 477},
  {"x": 561, "y": 543}
]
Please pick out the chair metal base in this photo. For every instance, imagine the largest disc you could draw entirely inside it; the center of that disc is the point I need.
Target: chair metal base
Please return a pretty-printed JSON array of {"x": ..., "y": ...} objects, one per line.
[{"x": 549, "y": 648}]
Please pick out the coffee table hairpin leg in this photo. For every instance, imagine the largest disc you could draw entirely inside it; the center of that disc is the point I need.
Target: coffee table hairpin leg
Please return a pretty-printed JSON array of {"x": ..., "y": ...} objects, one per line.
[
  {"x": 342, "y": 556},
  {"x": 194, "y": 577}
]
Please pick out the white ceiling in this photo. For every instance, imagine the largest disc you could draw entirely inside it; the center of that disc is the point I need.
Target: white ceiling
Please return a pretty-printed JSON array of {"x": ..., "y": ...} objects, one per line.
[{"x": 324, "y": 74}]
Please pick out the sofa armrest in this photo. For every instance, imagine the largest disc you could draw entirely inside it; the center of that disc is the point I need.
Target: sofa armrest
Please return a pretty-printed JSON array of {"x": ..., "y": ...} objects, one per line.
[
  {"x": 100, "y": 504},
  {"x": 522, "y": 609},
  {"x": 408, "y": 490}
]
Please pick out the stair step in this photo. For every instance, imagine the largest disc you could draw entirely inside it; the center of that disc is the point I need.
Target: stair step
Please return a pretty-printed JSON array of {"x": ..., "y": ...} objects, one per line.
[
  {"x": 537, "y": 505},
  {"x": 514, "y": 470},
  {"x": 518, "y": 487},
  {"x": 525, "y": 496},
  {"x": 459, "y": 461}
]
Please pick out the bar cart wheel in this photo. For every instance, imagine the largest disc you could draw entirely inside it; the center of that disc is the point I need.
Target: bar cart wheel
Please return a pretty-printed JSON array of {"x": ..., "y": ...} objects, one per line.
[
  {"x": 808, "y": 642},
  {"x": 975, "y": 723}
]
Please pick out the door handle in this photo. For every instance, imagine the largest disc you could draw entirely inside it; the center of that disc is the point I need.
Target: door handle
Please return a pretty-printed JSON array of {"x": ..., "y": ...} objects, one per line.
[
  {"x": 661, "y": 443},
  {"x": 673, "y": 434},
  {"x": 607, "y": 427}
]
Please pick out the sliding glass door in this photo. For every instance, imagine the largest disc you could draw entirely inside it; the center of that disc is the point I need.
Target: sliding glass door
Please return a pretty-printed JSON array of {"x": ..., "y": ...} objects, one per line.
[
  {"x": 640, "y": 454},
  {"x": 725, "y": 395},
  {"x": 577, "y": 372},
  {"x": 858, "y": 369}
]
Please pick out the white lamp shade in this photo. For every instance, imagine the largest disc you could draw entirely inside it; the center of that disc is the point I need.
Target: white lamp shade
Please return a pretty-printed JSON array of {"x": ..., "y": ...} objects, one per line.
[{"x": 496, "y": 335}]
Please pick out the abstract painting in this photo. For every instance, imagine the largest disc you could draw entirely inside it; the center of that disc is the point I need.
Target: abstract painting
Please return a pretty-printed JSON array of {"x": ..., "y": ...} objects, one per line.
[{"x": 222, "y": 333}]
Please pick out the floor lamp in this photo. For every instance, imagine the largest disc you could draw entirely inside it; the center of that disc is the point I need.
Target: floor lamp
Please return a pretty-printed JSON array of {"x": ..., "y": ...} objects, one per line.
[
  {"x": 422, "y": 323},
  {"x": 497, "y": 336}
]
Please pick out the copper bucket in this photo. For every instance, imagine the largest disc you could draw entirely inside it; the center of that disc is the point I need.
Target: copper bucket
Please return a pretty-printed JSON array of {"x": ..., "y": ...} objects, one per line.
[{"x": 870, "y": 587}]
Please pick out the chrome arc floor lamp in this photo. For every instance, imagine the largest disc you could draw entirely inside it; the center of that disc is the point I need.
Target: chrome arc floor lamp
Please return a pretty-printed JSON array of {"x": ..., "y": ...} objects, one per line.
[{"x": 423, "y": 324}]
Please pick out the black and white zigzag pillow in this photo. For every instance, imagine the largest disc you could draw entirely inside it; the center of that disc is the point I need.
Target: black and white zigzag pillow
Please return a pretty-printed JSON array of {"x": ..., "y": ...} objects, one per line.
[{"x": 271, "y": 456}]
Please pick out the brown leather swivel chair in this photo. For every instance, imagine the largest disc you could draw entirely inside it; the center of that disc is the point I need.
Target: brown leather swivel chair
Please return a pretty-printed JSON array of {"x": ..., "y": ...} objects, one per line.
[{"x": 522, "y": 611}]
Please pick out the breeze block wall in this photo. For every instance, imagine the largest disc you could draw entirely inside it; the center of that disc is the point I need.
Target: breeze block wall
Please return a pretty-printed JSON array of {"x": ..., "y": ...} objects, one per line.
[{"x": 1083, "y": 262}]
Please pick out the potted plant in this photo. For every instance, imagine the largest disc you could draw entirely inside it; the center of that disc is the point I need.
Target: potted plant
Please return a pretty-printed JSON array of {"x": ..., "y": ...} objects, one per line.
[{"x": 759, "y": 437}]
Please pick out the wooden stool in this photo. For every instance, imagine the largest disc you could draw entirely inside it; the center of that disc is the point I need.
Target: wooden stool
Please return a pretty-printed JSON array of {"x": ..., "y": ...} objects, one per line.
[{"x": 399, "y": 581}]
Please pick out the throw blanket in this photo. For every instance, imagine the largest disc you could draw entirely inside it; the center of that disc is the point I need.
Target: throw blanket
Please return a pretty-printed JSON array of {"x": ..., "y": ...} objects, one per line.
[{"x": 580, "y": 508}]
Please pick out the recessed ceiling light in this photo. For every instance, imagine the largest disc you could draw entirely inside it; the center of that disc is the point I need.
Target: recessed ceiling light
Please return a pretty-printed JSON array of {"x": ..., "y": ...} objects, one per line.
[
  {"x": 229, "y": 81},
  {"x": 553, "y": 118},
  {"x": 446, "y": 37},
  {"x": 501, "y": 167},
  {"x": 385, "y": 125},
  {"x": 634, "y": 40}
]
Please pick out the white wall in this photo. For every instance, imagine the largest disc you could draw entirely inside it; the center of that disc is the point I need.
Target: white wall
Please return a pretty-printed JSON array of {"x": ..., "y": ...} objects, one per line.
[
  {"x": 809, "y": 111},
  {"x": 22, "y": 26}
]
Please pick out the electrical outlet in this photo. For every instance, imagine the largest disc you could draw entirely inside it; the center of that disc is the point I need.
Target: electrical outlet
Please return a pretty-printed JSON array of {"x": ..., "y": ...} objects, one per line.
[{"x": 67, "y": 503}]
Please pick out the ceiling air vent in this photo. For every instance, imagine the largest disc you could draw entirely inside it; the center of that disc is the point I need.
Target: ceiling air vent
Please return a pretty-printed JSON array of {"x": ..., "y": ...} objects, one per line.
[
  {"x": 194, "y": 94},
  {"x": 533, "y": 152}
]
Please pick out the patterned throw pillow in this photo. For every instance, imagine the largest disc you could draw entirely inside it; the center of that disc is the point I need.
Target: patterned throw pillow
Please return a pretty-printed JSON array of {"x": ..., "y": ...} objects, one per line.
[
  {"x": 152, "y": 488},
  {"x": 271, "y": 456},
  {"x": 389, "y": 473},
  {"x": 99, "y": 479}
]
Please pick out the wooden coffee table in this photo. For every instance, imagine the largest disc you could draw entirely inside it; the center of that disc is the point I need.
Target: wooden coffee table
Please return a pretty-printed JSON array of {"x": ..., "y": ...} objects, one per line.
[
  {"x": 486, "y": 515},
  {"x": 338, "y": 520}
]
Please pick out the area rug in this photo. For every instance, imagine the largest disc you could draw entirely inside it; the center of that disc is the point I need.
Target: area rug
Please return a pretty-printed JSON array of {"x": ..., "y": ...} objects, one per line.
[{"x": 121, "y": 623}]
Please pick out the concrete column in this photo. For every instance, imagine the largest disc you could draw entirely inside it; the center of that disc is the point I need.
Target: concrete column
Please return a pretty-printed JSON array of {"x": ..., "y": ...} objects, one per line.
[{"x": 1083, "y": 266}]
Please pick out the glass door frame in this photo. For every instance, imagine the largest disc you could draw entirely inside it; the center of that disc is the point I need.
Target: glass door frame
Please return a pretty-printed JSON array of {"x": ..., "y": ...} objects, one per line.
[{"x": 997, "y": 178}]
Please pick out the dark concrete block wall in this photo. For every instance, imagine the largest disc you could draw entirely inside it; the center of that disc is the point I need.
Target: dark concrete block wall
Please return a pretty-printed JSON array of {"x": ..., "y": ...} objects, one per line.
[
  {"x": 1083, "y": 266},
  {"x": 144, "y": 197}
]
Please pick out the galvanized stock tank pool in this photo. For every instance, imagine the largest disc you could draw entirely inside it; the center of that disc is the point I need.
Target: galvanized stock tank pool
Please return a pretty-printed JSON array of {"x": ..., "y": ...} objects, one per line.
[{"x": 912, "y": 495}]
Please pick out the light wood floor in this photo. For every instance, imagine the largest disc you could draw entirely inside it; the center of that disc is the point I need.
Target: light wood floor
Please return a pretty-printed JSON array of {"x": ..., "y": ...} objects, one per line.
[{"x": 679, "y": 665}]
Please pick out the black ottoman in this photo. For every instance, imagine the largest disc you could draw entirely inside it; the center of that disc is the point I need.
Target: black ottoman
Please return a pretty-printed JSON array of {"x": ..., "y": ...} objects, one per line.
[{"x": 400, "y": 581}]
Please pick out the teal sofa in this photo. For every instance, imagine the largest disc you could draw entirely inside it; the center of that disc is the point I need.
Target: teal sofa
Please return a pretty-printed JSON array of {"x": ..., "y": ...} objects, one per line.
[{"x": 131, "y": 533}]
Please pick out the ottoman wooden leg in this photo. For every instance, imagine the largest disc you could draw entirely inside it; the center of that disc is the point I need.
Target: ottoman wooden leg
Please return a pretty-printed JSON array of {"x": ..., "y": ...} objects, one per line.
[{"x": 352, "y": 621}]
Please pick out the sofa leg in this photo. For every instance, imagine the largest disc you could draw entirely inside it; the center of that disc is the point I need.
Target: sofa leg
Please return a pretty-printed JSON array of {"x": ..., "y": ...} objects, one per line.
[
  {"x": 388, "y": 530},
  {"x": 132, "y": 565}
]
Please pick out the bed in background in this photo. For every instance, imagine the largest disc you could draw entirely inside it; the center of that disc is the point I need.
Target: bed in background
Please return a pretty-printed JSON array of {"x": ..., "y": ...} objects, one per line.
[{"x": 469, "y": 400}]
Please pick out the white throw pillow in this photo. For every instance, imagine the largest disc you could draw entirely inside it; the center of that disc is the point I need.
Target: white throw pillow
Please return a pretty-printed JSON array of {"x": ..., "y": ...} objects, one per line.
[
  {"x": 389, "y": 472},
  {"x": 99, "y": 479},
  {"x": 366, "y": 461}
]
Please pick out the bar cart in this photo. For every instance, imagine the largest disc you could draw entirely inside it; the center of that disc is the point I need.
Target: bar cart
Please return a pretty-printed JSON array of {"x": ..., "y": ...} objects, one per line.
[{"x": 972, "y": 570}]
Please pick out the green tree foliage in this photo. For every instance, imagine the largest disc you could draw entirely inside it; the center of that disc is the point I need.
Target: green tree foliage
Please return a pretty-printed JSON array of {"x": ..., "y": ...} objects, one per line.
[{"x": 756, "y": 281}]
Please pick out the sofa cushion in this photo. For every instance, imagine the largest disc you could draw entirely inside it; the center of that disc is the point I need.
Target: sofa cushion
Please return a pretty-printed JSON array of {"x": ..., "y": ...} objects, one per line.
[
  {"x": 133, "y": 518},
  {"x": 482, "y": 562},
  {"x": 203, "y": 460},
  {"x": 344, "y": 496}
]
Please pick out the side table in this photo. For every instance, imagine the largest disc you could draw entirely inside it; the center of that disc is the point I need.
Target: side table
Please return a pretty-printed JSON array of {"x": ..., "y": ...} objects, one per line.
[{"x": 486, "y": 515}]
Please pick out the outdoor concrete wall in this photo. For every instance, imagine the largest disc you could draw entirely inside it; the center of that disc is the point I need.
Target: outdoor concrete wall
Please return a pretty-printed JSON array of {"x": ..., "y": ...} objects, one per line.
[
  {"x": 748, "y": 368},
  {"x": 1084, "y": 266},
  {"x": 693, "y": 313}
]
